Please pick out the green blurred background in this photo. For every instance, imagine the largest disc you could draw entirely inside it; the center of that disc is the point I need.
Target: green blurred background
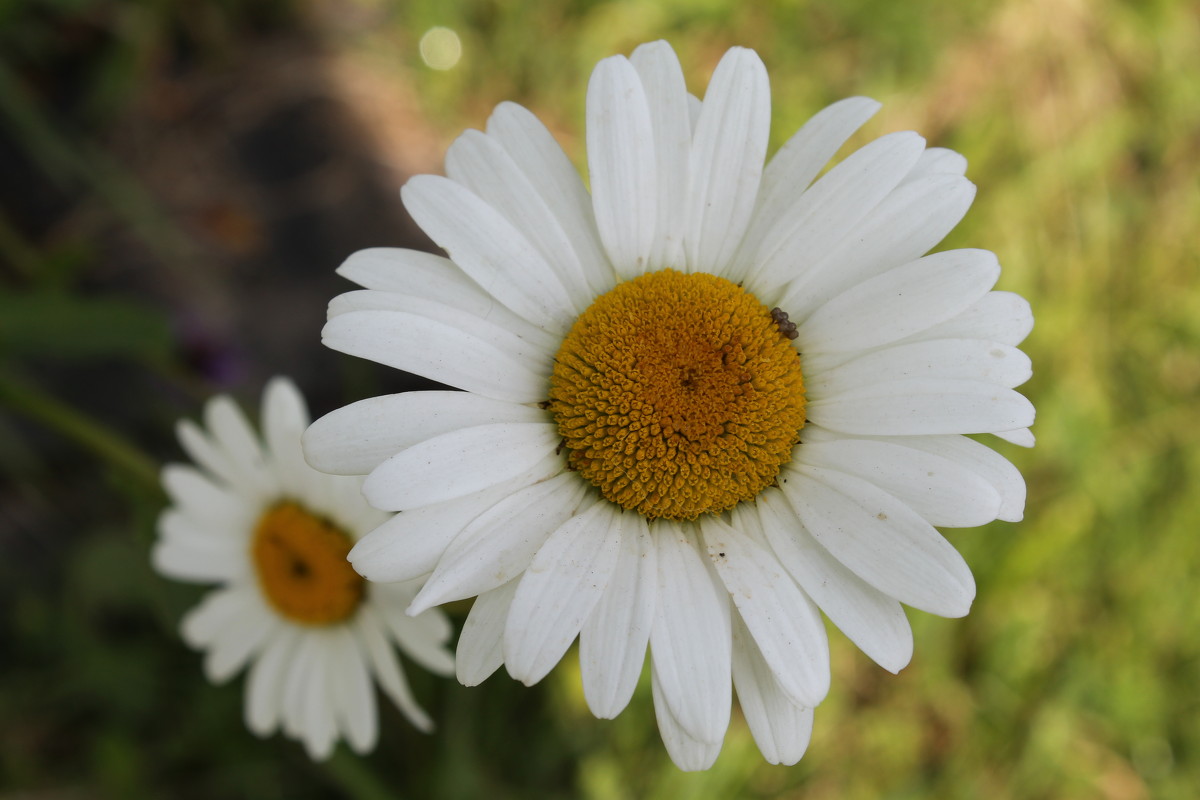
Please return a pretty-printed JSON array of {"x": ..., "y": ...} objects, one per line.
[{"x": 179, "y": 180}]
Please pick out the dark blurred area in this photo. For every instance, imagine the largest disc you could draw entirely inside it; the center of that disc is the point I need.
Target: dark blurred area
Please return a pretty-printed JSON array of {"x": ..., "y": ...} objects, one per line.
[
  {"x": 179, "y": 183},
  {"x": 191, "y": 156}
]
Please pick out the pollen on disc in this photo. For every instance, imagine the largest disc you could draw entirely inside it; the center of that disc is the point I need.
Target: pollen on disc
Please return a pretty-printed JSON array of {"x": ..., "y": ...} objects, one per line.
[
  {"x": 678, "y": 395},
  {"x": 300, "y": 560}
]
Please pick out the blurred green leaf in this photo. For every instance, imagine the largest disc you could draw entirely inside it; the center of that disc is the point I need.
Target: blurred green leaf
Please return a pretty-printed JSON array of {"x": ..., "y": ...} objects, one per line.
[{"x": 44, "y": 325}]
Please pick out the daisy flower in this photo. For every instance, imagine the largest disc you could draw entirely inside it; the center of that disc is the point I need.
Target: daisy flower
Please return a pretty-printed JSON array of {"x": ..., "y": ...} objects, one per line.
[
  {"x": 701, "y": 404},
  {"x": 255, "y": 518}
]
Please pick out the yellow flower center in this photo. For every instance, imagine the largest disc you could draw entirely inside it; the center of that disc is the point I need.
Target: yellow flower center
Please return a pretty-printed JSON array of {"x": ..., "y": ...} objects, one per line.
[
  {"x": 301, "y": 563},
  {"x": 678, "y": 395}
]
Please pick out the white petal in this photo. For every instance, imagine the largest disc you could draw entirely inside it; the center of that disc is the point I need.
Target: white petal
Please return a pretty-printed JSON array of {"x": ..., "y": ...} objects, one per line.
[
  {"x": 936, "y": 488},
  {"x": 396, "y": 269},
  {"x": 534, "y": 353},
  {"x": 409, "y": 545},
  {"x": 832, "y": 208},
  {"x": 426, "y": 276},
  {"x": 232, "y": 433},
  {"x": 612, "y": 643},
  {"x": 202, "y": 626},
  {"x": 284, "y": 418},
  {"x": 726, "y": 160},
  {"x": 215, "y": 507},
  {"x": 350, "y": 508},
  {"x": 557, "y": 181},
  {"x": 923, "y": 406},
  {"x": 559, "y": 590},
  {"x": 353, "y": 698},
  {"x": 459, "y": 463},
  {"x": 296, "y": 694},
  {"x": 690, "y": 641},
  {"x": 869, "y": 618},
  {"x": 781, "y": 729},
  {"x": 357, "y": 438},
  {"x": 494, "y": 253},
  {"x": 666, "y": 95},
  {"x": 961, "y": 359},
  {"x": 689, "y": 753},
  {"x": 438, "y": 351},
  {"x": 481, "y": 163},
  {"x": 265, "y": 681},
  {"x": 900, "y": 302},
  {"x": 938, "y": 161},
  {"x": 201, "y": 449},
  {"x": 694, "y": 106},
  {"x": 183, "y": 563},
  {"x": 319, "y": 731},
  {"x": 369, "y": 629},
  {"x": 981, "y": 460},
  {"x": 784, "y": 623},
  {"x": 882, "y": 540},
  {"x": 997, "y": 316},
  {"x": 1022, "y": 437},
  {"x": 412, "y": 634},
  {"x": 239, "y": 639},
  {"x": 500, "y": 543},
  {"x": 179, "y": 527},
  {"x": 392, "y": 599},
  {"x": 187, "y": 552},
  {"x": 481, "y": 643},
  {"x": 621, "y": 163},
  {"x": 904, "y": 226},
  {"x": 801, "y": 158}
]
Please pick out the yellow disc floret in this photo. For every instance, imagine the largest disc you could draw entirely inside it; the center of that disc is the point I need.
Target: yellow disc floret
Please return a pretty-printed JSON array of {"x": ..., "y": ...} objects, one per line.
[
  {"x": 678, "y": 395},
  {"x": 300, "y": 560}
]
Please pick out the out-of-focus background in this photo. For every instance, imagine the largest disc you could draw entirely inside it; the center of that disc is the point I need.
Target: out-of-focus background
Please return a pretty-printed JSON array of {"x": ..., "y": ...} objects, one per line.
[{"x": 178, "y": 181}]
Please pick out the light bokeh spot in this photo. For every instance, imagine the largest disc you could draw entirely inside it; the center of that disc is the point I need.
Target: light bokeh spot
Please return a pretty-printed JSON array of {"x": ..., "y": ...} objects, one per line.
[{"x": 440, "y": 48}]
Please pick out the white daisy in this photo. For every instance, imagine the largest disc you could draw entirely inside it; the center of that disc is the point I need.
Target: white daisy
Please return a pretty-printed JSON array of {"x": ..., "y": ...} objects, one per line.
[
  {"x": 275, "y": 533},
  {"x": 648, "y": 450}
]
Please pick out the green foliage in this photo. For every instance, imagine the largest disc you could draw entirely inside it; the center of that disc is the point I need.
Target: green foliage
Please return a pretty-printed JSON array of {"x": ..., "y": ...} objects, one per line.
[{"x": 44, "y": 325}]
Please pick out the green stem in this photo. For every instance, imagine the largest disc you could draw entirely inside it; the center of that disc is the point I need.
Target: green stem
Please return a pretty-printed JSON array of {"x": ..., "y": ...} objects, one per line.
[
  {"x": 30, "y": 401},
  {"x": 356, "y": 778},
  {"x": 18, "y": 252}
]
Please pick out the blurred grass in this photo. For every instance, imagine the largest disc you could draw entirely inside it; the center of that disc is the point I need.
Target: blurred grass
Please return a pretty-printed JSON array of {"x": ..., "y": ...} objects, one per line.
[{"x": 1074, "y": 676}]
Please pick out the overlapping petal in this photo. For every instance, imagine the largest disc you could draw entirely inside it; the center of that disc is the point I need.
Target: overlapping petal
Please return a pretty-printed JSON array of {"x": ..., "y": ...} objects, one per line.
[
  {"x": 902, "y": 352},
  {"x": 690, "y": 640},
  {"x": 882, "y": 540},
  {"x": 564, "y": 582},
  {"x": 355, "y": 439},
  {"x": 622, "y": 166},
  {"x": 459, "y": 463},
  {"x": 612, "y": 643},
  {"x": 869, "y": 618},
  {"x": 314, "y": 681},
  {"x": 726, "y": 160},
  {"x": 495, "y": 254}
]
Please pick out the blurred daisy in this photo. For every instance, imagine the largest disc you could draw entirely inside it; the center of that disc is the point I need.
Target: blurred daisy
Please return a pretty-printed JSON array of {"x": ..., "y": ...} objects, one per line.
[
  {"x": 700, "y": 404},
  {"x": 275, "y": 533}
]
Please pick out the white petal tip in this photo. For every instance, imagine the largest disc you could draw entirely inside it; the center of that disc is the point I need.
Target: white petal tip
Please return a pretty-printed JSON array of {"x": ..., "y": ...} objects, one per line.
[
  {"x": 895, "y": 666},
  {"x": 957, "y": 610},
  {"x": 418, "y": 607}
]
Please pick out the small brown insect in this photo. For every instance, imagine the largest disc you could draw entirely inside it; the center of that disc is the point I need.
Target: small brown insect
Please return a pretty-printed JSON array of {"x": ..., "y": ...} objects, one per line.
[{"x": 786, "y": 326}]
